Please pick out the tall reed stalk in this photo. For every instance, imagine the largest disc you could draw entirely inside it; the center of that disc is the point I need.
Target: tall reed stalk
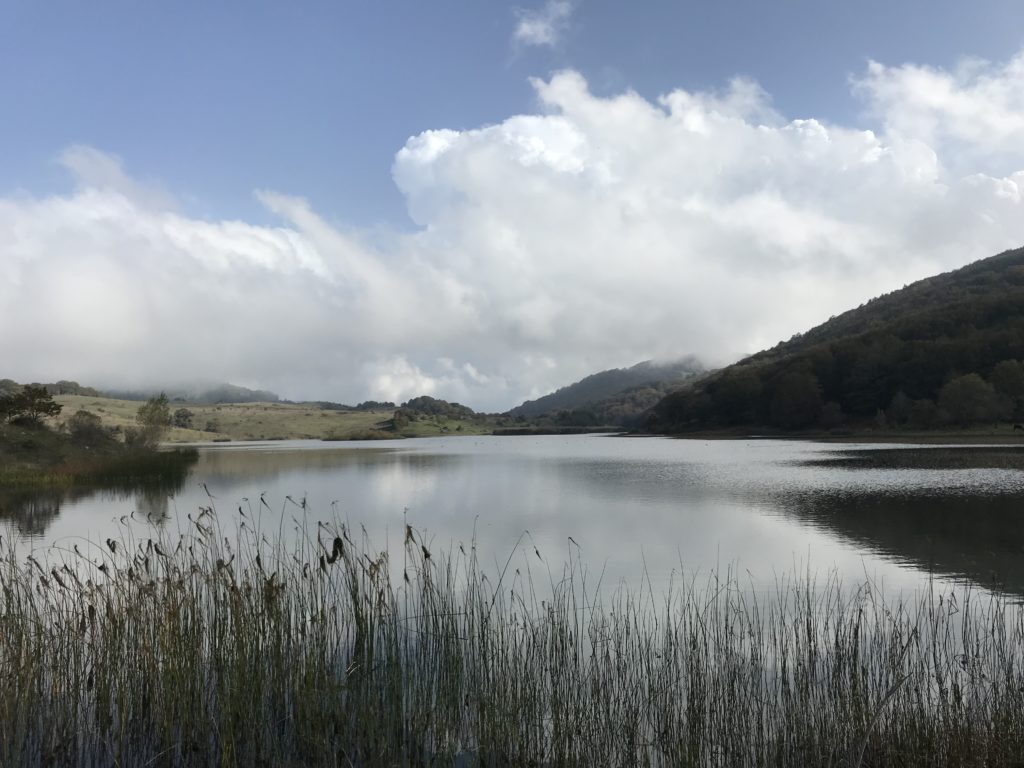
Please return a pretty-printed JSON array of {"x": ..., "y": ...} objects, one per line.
[{"x": 237, "y": 650}]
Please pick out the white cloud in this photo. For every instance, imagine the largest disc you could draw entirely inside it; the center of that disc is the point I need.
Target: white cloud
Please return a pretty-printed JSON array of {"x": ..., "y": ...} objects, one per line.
[
  {"x": 598, "y": 232},
  {"x": 93, "y": 169},
  {"x": 977, "y": 109},
  {"x": 544, "y": 26}
]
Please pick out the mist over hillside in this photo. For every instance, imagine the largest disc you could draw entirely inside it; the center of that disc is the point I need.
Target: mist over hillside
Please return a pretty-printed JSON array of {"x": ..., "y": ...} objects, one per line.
[
  {"x": 592, "y": 390},
  {"x": 945, "y": 351},
  {"x": 197, "y": 393}
]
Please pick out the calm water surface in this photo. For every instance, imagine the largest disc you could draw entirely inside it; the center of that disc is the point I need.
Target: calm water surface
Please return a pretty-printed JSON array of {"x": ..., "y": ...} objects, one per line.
[{"x": 635, "y": 508}]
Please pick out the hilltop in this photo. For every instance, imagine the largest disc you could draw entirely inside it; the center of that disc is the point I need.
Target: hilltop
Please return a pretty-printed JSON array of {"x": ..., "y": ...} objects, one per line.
[
  {"x": 614, "y": 396},
  {"x": 942, "y": 352}
]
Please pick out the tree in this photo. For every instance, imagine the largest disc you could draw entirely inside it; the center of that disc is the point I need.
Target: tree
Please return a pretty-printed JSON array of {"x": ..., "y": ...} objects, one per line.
[
  {"x": 970, "y": 399},
  {"x": 797, "y": 400},
  {"x": 832, "y": 415},
  {"x": 183, "y": 418},
  {"x": 923, "y": 413},
  {"x": 154, "y": 417},
  {"x": 880, "y": 421},
  {"x": 156, "y": 412},
  {"x": 898, "y": 412},
  {"x": 29, "y": 406},
  {"x": 8, "y": 407},
  {"x": 401, "y": 419},
  {"x": 1008, "y": 378},
  {"x": 736, "y": 397}
]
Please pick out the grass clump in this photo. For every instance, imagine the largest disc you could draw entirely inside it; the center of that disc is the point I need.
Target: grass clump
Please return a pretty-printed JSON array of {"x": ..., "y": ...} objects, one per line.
[
  {"x": 236, "y": 649},
  {"x": 43, "y": 458}
]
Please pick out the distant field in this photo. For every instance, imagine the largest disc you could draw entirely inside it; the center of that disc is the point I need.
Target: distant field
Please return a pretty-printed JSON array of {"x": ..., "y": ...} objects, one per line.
[
  {"x": 268, "y": 421},
  {"x": 237, "y": 421}
]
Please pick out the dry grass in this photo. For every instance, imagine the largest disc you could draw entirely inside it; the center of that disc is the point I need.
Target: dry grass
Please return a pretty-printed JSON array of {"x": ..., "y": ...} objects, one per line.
[
  {"x": 237, "y": 421},
  {"x": 270, "y": 421},
  {"x": 229, "y": 649}
]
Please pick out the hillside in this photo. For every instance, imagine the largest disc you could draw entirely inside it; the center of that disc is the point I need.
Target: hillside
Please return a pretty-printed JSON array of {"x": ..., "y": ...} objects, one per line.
[
  {"x": 203, "y": 422},
  {"x": 943, "y": 352},
  {"x": 611, "y": 396}
]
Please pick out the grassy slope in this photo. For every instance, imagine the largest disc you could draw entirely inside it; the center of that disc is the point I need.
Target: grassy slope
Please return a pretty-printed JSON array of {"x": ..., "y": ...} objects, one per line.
[{"x": 264, "y": 421}]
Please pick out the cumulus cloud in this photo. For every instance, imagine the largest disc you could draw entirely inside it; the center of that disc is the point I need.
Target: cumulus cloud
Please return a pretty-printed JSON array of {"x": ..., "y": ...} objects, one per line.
[
  {"x": 544, "y": 26},
  {"x": 597, "y": 232},
  {"x": 977, "y": 109}
]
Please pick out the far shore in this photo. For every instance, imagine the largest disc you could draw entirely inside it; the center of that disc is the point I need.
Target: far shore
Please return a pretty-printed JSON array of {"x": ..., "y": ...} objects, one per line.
[
  {"x": 1003, "y": 436},
  {"x": 255, "y": 422}
]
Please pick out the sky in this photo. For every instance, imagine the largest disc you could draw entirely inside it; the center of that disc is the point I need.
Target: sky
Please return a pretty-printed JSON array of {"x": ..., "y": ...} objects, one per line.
[{"x": 482, "y": 201}]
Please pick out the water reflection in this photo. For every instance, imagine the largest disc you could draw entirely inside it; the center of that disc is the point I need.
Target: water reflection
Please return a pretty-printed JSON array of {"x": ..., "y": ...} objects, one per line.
[
  {"x": 979, "y": 538},
  {"x": 31, "y": 513},
  {"x": 639, "y": 510}
]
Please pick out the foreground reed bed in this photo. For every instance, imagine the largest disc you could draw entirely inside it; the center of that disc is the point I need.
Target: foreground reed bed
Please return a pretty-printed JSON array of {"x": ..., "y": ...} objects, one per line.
[{"x": 239, "y": 650}]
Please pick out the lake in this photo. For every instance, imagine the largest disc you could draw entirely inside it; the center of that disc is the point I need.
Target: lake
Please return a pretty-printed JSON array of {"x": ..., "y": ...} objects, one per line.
[{"x": 632, "y": 510}]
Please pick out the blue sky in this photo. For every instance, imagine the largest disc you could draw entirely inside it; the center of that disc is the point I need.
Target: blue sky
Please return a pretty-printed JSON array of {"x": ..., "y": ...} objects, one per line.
[
  {"x": 218, "y": 99},
  {"x": 483, "y": 200}
]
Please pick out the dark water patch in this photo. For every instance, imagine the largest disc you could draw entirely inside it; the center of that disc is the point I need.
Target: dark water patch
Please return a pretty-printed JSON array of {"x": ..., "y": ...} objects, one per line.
[
  {"x": 974, "y": 537},
  {"x": 939, "y": 457}
]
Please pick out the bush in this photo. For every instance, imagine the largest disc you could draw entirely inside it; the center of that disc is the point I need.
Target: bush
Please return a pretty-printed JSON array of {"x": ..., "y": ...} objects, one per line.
[
  {"x": 183, "y": 418},
  {"x": 86, "y": 428}
]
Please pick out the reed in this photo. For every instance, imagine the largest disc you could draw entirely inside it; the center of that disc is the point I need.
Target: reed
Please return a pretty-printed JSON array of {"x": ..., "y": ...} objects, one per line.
[
  {"x": 125, "y": 468},
  {"x": 234, "y": 648}
]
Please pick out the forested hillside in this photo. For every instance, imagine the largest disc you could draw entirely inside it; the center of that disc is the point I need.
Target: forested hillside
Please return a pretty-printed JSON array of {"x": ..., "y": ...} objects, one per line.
[
  {"x": 611, "y": 396},
  {"x": 943, "y": 352}
]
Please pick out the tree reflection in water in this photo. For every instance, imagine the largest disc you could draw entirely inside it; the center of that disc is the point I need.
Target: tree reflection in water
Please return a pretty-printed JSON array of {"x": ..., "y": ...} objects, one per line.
[{"x": 33, "y": 511}]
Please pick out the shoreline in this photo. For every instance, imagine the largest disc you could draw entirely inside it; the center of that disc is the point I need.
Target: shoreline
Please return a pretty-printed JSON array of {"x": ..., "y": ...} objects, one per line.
[{"x": 947, "y": 438}]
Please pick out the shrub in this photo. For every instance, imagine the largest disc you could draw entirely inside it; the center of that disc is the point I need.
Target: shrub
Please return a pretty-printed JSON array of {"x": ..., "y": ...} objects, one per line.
[
  {"x": 86, "y": 428},
  {"x": 183, "y": 418}
]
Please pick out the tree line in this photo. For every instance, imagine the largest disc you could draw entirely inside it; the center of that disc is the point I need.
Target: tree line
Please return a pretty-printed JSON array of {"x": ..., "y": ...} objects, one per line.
[{"x": 943, "y": 352}]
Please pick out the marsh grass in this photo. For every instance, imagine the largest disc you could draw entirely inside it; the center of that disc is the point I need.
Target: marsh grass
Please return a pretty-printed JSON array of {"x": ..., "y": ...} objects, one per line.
[
  {"x": 124, "y": 470},
  {"x": 232, "y": 648}
]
